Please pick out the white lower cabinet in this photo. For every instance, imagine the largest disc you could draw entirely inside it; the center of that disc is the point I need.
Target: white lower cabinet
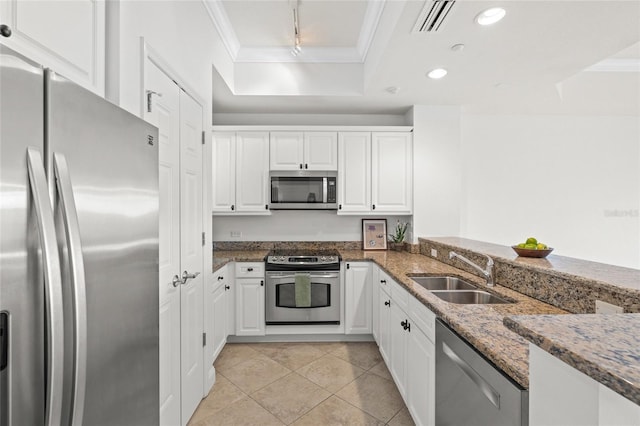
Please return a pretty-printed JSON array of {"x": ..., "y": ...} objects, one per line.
[
  {"x": 250, "y": 320},
  {"x": 357, "y": 295},
  {"x": 560, "y": 395},
  {"x": 375, "y": 299},
  {"x": 406, "y": 340}
]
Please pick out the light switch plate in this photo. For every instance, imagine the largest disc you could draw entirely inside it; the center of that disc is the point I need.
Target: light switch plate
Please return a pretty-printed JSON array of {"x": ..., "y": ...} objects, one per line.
[
  {"x": 608, "y": 308},
  {"x": 236, "y": 234},
  {"x": 434, "y": 253}
]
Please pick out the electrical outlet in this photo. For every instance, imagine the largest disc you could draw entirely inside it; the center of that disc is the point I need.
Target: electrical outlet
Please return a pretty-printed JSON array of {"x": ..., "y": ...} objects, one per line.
[
  {"x": 236, "y": 234},
  {"x": 434, "y": 253},
  {"x": 607, "y": 308}
]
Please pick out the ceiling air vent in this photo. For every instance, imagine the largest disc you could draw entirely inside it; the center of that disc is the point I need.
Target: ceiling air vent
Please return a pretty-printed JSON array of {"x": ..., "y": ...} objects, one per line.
[{"x": 432, "y": 15}]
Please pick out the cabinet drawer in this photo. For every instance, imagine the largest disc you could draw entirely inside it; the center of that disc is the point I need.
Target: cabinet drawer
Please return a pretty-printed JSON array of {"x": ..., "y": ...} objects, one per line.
[
  {"x": 423, "y": 318},
  {"x": 385, "y": 282},
  {"x": 249, "y": 270},
  {"x": 400, "y": 296}
]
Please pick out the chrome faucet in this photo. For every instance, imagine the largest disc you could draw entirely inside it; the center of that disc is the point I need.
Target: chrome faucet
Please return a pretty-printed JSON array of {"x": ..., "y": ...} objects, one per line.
[{"x": 487, "y": 272}]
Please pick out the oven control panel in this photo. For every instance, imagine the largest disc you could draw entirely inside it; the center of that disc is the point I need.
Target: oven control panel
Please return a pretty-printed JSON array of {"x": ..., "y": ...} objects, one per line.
[{"x": 302, "y": 260}]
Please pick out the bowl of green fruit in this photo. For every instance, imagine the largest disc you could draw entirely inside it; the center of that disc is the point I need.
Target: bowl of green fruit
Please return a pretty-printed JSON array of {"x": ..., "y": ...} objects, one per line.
[{"x": 532, "y": 248}]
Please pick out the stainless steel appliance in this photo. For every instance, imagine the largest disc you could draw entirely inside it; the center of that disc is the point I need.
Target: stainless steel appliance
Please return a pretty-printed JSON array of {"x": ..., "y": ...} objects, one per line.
[
  {"x": 321, "y": 268},
  {"x": 303, "y": 189},
  {"x": 472, "y": 391},
  {"x": 78, "y": 255}
]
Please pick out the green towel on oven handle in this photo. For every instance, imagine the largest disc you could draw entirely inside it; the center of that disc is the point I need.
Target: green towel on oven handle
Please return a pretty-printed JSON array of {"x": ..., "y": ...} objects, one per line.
[{"x": 303, "y": 290}]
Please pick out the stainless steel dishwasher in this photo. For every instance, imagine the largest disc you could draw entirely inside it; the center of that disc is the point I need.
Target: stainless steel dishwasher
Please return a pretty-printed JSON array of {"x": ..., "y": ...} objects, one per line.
[{"x": 470, "y": 391}]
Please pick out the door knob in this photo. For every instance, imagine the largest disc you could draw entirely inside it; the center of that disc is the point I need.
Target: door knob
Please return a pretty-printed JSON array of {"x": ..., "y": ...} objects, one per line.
[
  {"x": 186, "y": 276},
  {"x": 176, "y": 281}
]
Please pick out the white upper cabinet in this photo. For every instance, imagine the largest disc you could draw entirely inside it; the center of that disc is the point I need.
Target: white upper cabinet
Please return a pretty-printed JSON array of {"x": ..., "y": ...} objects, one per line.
[
  {"x": 392, "y": 172},
  {"x": 240, "y": 172},
  {"x": 375, "y": 172},
  {"x": 354, "y": 172},
  {"x": 66, "y": 36},
  {"x": 303, "y": 151},
  {"x": 321, "y": 151}
]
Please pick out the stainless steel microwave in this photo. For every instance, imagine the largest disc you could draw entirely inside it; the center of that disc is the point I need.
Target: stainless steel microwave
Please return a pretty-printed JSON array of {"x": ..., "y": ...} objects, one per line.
[{"x": 298, "y": 190}]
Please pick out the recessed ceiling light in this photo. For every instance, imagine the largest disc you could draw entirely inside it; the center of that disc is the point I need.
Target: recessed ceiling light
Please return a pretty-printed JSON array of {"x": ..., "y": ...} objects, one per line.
[
  {"x": 457, "y": 47},
  {"x": 437, "y": 73},
  {"x": 491, "y": 16},
  {"x": 392, "y": 89}
]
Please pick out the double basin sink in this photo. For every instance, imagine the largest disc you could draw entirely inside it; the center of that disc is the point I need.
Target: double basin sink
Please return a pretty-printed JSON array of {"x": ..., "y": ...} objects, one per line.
[{"x": 456, "y": 290}]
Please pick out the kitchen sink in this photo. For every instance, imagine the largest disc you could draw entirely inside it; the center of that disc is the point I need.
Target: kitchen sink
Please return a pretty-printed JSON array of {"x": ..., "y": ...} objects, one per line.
[
  {"x": 469, "y": 297},
  {"x": 443, "y": 283}
]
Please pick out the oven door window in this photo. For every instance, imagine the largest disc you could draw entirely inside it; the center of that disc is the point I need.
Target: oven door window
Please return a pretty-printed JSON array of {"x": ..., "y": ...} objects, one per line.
[
  {"x": 303, "y": 190},
  {"x": 286, "y": 296}
]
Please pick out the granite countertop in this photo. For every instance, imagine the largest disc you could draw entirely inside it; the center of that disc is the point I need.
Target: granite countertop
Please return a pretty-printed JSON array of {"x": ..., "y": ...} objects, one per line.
[
  {"x": 481, "y": 325},
  {"x": 604, "y": 347}
]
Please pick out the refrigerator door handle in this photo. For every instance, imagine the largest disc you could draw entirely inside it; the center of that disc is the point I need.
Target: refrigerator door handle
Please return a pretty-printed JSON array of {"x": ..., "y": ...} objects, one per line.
[
  {"x": 53, "y": 287},
  {"x": 76, "y": 267}
]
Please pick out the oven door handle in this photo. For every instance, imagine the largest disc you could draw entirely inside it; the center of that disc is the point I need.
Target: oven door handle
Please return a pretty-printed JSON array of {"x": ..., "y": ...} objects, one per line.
[{"x": 279, "y": 277}]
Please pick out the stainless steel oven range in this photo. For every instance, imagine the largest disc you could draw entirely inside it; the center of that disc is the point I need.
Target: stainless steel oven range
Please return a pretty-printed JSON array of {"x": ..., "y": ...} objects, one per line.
[{"x": 302, "y": 287}]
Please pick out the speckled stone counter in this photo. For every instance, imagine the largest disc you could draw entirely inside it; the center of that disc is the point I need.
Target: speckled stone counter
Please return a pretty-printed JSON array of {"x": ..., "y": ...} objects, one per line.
[{"x": 604, "y": 347}]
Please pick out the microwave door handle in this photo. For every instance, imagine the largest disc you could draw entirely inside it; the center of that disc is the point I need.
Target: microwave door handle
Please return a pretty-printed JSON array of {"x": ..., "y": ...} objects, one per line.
[
  {"x": 324, "y": 189},
  {"x": 77, "y": 276},
  {"x": 52, "y": 287}
]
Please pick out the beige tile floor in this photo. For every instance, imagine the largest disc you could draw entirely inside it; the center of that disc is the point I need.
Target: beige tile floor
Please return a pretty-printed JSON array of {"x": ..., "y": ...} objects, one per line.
[{"x": 302, "y": 384}]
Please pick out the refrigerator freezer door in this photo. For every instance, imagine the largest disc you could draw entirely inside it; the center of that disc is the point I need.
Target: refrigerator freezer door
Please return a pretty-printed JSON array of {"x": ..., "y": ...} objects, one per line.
[
  {"x": 22, "y": 385},
  {"x": 112, "y": 159}
]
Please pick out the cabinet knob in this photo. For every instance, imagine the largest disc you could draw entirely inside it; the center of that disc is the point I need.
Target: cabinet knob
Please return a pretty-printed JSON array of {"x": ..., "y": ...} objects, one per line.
[
  {"x": 261, "y": 283},
  {"x": 405, "y": 325},
  {"x": 306, "y": 166},
  {"x": 383, "y": 281},
  {"x": 233, "y": 207},
  {"x": 348, "y": 266},
  {"x": 300, "y": 165},
  {"x": 266, "y": 206},
  {"x": 5, "y": 30},
  {"x": 220, "y": 278},
  {"x": 339, "y": 206},
  {"x": 374, "y": 207},
  {"x": 249, "y": 269},
  {"x": 387, "y": 303},
  {"x": 226, "y": 287}
]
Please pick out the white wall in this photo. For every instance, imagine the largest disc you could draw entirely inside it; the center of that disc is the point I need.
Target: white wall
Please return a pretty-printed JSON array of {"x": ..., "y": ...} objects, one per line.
[
  {"x": 290, "y": 225},
  {"x": 573, "y": 182},
  {"x": 309, "y": 119},
  {"x": 436, "y": 171}
]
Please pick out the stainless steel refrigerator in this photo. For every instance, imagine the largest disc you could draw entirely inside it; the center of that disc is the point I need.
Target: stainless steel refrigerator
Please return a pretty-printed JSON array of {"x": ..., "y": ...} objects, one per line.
[{"x": 78, "y": 255}]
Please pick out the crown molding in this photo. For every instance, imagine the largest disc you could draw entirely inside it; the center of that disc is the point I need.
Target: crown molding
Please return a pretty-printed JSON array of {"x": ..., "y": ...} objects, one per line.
[
  {"x": 356, "y": 54},
  {"x": 615, "y": 65}
]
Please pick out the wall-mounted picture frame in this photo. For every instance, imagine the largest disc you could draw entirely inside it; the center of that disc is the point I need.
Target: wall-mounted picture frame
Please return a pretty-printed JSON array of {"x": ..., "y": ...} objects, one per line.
[{"x": 374, "y": 234}]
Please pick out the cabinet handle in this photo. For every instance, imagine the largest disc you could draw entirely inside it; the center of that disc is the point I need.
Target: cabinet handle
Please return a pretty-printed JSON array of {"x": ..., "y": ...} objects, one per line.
[
  {"x": 300, "y": 165},
  {"x": 306, "y": 166},
  {"x": 220, "y": 278},
  {"x": 383, "y": 281},
  {"x": 387, "y": 303},
  {"x": 226, "y": 287},
  {"x": 348, "y": 266},
  {"x": 405, "y": 324},
  {"x": 261, "y": 283},
  {"x": 249, "y": 269},
  {"x": 266, "y": 206},
  {"x": 374, "y": 207},
  {"x": 233, "y": 207},
  {"x": 5, "y": 30},
  {"x": 339, "y": 206}
]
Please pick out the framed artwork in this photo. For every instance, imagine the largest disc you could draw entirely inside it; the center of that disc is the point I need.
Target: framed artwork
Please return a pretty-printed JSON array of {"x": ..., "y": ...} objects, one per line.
[{"x": 374, "y": 234}]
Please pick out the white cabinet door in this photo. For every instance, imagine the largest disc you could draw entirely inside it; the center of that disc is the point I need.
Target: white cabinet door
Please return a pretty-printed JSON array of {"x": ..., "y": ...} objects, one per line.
[
  {"x": 384, "y": 344},
  {"x": 67, "y": 36},
  {"x": 224, "y": 172},
  {"x": 354, "y": 172},
  {"x": 219, "y": 319},
  {"x": 375, "y": 298},
  {"x": 421, "y": 378},
  {"x": 398, "y": 348},
  {"x": 252, "y": 172},
  {"x": 286, "y": 151},
  {"x": 392, "y": 172},
  {"x": 357, "y": 290},
  {"x": 230, "y": 300},
  {"x": 321, "y": 151},
  {"x": 250, "y": 307}
]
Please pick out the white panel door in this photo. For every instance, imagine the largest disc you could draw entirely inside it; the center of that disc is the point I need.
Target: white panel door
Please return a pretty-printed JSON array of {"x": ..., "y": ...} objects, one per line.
[
  {"x": 252, "y": 172},
  {"x": 191, "y": 254},
  {"x": 421, "y": 377},
  {"x": 224, "y": 172},
  {"x": 321, "y": 151},
  {"x": 67, "y": 36},
  {"x": 286, "y": 151},
  {"x": 354, "y": 172},
  {"x": 165, "y": 115},
  {"x": 391, "y": 172},
  {"x": 357, "y": 289},
  {"x": 250, "y": 307}
]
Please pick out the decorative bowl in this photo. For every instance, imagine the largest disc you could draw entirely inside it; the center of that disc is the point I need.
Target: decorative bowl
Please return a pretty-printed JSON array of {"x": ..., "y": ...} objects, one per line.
[{"x": 540, "y": 253}]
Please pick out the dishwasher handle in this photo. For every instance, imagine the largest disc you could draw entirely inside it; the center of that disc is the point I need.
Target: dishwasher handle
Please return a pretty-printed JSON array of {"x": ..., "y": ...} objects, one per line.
[{"x": 488, "y": 391}]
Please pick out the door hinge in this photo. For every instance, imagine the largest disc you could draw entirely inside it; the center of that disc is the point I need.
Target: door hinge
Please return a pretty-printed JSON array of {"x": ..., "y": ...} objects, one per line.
[
  {"x": 204, "y": 339},
  {"x": 203, "y": 238},
  {"x": 150, "y": 93},
  {"x": 203, "y": 137}
]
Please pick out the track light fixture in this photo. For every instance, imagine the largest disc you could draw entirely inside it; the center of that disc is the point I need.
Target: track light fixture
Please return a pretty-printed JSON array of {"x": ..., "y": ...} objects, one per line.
[{"x": 295, "y": 51}]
